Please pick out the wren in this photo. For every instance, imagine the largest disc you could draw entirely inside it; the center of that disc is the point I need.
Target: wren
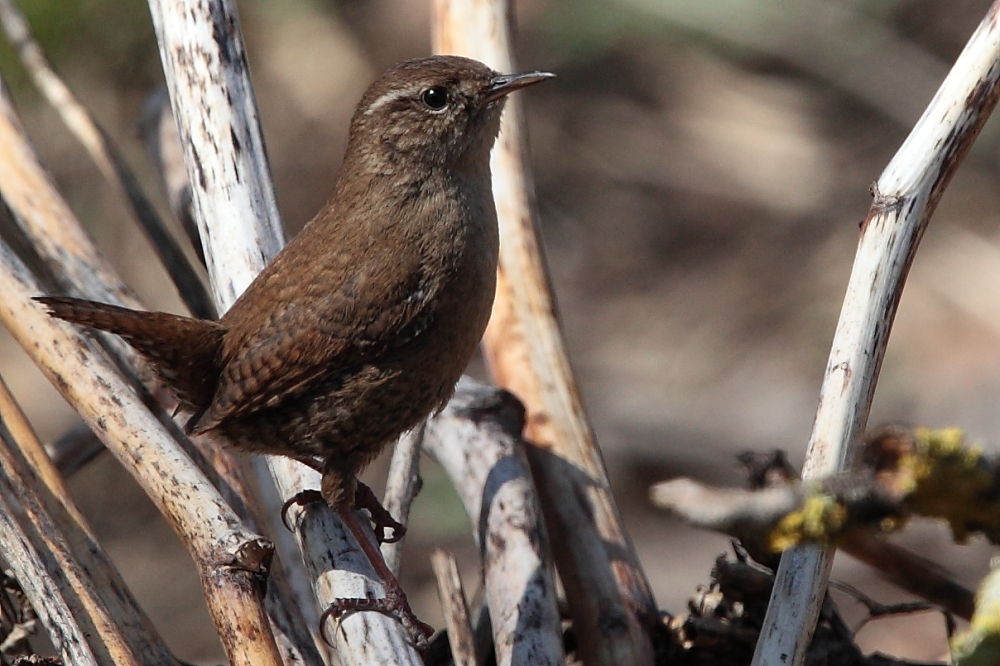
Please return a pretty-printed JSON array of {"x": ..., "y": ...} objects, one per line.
[{"x": 362, "y": 325}]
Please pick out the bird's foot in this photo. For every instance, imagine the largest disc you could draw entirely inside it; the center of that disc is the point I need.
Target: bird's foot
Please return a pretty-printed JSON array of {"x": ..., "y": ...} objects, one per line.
[
  {"x": 394, "y": 604},
  {"x": 364, "y": 498}
]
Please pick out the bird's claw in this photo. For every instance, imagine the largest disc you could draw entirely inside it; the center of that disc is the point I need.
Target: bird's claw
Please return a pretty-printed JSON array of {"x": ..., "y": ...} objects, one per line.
[{"x": 300, "y": 498}]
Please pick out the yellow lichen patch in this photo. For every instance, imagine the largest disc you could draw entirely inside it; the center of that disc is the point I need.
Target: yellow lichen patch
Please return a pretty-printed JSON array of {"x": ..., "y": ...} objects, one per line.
[
  {"x": 892, "y": 523},
  {"x": 980, "y": 643},
  {"x": 819, "y": 520},
  {"x": 952, "y": 481}
]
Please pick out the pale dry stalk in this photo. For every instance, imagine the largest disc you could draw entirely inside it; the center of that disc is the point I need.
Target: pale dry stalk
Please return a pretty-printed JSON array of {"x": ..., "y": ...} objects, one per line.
[
  {"x": 455, "y": 608},
  {"x": 906, "y": 195}
]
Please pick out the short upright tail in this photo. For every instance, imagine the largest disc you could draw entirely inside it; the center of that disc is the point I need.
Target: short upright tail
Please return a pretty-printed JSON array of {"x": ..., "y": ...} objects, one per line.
[{"x": 183, "y": 350}]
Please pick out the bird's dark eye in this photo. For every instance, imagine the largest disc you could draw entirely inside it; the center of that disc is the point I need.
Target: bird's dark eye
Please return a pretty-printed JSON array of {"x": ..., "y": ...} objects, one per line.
[{"x": 435, "y": 98}]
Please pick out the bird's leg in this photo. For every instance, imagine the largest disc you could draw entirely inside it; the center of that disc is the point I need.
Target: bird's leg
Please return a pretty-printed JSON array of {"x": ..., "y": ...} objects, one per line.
[
  {"x": 339, "y": 484},
  {"x": 336, "y": 487}
]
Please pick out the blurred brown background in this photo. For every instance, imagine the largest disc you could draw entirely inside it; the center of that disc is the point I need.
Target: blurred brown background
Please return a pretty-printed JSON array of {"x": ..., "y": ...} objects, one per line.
[{"x": 702, "y": 168}]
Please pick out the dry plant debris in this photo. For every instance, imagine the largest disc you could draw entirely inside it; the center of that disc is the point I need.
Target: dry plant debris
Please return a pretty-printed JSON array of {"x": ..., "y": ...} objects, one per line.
[{"x": 900, "y": 473}]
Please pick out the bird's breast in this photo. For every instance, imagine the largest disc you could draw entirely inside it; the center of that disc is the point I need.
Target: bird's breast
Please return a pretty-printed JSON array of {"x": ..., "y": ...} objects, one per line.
[{"x": 464, "y": 245}]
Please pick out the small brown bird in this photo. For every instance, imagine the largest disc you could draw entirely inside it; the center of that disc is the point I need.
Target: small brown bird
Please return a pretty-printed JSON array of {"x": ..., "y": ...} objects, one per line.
[{"x": 363, "y": 324}]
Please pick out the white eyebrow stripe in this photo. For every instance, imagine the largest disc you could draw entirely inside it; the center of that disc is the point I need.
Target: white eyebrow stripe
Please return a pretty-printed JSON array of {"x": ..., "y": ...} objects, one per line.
[{"x": 390, "y": 97}]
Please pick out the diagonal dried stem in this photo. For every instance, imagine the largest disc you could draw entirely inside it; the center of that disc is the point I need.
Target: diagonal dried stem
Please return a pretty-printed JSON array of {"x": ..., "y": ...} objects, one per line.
[
  {"x": 231, "y": 559},
  {"x": 76, "y": 590},
  {"x": 79, "y": 268},
  {"x": 455, "y": 608}
]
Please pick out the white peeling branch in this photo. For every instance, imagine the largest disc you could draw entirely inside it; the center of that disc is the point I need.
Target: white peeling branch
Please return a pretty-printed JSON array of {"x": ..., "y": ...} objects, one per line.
[
  {"x": 207, "y": 76},
  {"x": 477, "y": 441},
  {"x": 905, "y": 197},
  {"x": 604, "y": 581}
]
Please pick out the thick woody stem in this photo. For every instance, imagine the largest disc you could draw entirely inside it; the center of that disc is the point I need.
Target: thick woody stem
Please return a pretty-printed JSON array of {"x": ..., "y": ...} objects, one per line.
[{"x": 477, "y": 441}]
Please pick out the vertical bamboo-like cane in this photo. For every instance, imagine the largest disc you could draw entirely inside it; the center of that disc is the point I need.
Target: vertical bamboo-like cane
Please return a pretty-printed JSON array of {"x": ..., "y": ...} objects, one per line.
[{"x": 607, "y": 590}]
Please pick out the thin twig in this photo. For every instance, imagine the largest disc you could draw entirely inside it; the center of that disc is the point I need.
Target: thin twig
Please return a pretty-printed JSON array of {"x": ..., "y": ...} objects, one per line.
[
  {"x": 604, "y": 581},
  {"x": 163, "y": 145},
  {"x": 915, "y": 574},
  {"x": 401, "y": 487},
  {"x": 877, "y": 609},
  {"x": 906, "y": 195},
  {"x": 454, "y": 607},
  {"x": 107, "y": 157}
]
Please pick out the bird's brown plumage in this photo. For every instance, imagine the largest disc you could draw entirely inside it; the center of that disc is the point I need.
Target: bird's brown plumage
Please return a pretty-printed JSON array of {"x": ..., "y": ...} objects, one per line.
[{"x": 361, "y": 326}]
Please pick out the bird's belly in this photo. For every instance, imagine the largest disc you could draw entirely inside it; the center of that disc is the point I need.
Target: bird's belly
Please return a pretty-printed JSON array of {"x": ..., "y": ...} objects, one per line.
[{"x": 352, "y": 415}]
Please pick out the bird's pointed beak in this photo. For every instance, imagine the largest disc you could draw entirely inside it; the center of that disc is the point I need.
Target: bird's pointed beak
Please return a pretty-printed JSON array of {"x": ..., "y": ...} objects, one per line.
[{"x": 505, "y": 84}]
